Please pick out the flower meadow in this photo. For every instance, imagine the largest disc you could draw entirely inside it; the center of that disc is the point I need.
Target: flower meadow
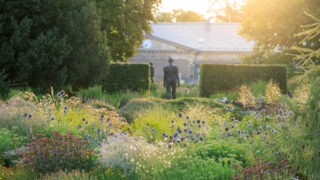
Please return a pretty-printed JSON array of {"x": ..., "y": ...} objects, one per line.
[{"x": 61, "y": 137}]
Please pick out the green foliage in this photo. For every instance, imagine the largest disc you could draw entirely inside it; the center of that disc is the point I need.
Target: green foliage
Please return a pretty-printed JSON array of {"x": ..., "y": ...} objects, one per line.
[
  {"x": 52, "y": 43},
  {"x": 124, "y": 24},
  {"x": 260, "y": 57},
  {"x": 127, "y": 77},
  {"x": 258, "y": 87},
  {"x": 219, "y": 77},
  {"x": 164, "y": 17},
  {"x": 272, "y": 24},
  {"x": 60, "y": 152},
  {"x": 4, "y": 86},
  {"x": 301, "y": 139},
  {"x": 94, "y": 92},
  {"x": 228, "y": 11},
  {"x": 134, "y": 107},
  {"x": 196, "y": 168},
  {"x": 179, "y": 15}
]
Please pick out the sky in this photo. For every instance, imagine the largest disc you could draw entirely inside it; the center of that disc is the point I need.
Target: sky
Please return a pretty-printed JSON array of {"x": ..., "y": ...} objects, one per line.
[{"x": 199, "y": 6}]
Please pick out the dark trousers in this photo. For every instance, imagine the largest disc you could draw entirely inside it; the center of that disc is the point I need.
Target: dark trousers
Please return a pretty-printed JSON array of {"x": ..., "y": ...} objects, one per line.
[{"x": 171, "y": 86}]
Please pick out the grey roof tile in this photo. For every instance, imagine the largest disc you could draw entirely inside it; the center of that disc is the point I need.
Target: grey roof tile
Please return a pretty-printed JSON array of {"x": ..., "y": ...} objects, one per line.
[{"x": 204, "y": 36}]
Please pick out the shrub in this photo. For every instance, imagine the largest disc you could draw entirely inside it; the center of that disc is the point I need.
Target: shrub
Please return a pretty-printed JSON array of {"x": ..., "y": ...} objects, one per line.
[
  {"x": 62, "y": 175},
  {"x": 10, "y": 140},
  {"x": 4, "y": 86},
  {"x": 60, "y": 152},
  {"x": 135, "y": 156},
  {"x": 246, "y": 97},
  {"x": 218, "y": 77},
  {"x": 273, "y": 93},
  {"x": 134, "y": 107},
  {"x": 94, "y": 92},
  {"x": 129, "y": 76}
]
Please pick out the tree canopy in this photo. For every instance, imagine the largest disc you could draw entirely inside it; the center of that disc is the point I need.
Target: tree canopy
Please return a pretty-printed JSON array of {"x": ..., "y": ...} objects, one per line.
[
  {"x": 179, "y": 15},
  {"x": 273, "y": 23},
  {"x": 228, "y": 11},
  {"x": 63, "y": 43},
  {"x": 124, "y": 24}
]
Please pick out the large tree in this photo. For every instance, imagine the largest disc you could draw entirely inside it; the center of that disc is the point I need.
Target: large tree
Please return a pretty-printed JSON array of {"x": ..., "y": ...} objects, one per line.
[
  {"x": 187, "y": 16},
  {"x": 125, "y": 22},
  {"x": 273, "y": 23},
  {"x": 51, "y": 43},
  {"x": 164, "y": 17},
  {"x": 226, "y": 10}
]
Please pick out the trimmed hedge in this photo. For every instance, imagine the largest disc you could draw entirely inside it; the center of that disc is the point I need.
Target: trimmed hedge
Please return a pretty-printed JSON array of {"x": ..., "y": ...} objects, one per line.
[
  {"x": 220, "y": 77},
  {"x": 127, "y": 76}
]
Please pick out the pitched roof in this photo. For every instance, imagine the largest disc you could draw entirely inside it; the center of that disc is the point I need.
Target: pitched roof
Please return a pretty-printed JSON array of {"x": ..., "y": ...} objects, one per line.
[{"x": 203, "y": 36}]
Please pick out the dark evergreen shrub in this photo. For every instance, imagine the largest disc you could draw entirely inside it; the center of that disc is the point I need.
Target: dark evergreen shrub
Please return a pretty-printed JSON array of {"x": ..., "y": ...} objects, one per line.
[
  {"x": 123, "y": 77},
  {"x": 220, "y": 77}
]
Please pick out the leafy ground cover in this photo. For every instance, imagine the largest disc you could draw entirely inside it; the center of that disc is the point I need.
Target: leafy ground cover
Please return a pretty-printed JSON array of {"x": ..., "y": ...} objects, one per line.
[{"x": 142, "y": 136}]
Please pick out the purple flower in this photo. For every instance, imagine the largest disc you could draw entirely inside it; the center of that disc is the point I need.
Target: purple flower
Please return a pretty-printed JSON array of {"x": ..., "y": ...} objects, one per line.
[
  {"x": 148, "y": 124},
  {"x": 66, "y": 107},
  {"x": 198, "y": 121},
  {"x": 172, "y": 126},
  {"x": 29, "y": 115},
  {"x": 52, "y": 118},
  {"x": 203, "y": 122},
  {"x": 239, "y": 131},
  {"x": 250, "y": 125},
  {"x": 225, "y": 122},
  {"x": 229, "y": 109},
  {"x": 110, "y": 124},
  {"x": 229, "y": 133},
  {"x": 108, "y": 119},
  {"x": 164, "y": 134},
  {"x": 245, "y": 131},
  {"x": 249, "y": 122},
  {"x": 101, "y": 119},
  {"x": 267, "y": 127},
  {"x": 83, "y": 119},
  {"x": 180, "y": 115},
  {"x": 99, "y": 143},
  {"x": 184, "y": 124},
  {"x": 175, "y": 135},
  {"x": 125, "y": 133},
  {"x": 187, "y": 117},
  {"x": 172, "y": 121},
  {"x": 97, "y": 131},
  {"x": 147, "y": 127},
  {"x": 89, "y": 136},
  {"x": 59, "y": 94},
  {"x": 79, "y": 127},
  {"x": 199, "y": 126},
  {"x": 190, "y": 132},
  {"x": 86, "y": 122},
  {"x": 179, "y": 131},
  {"x": 236, "y": 121}
]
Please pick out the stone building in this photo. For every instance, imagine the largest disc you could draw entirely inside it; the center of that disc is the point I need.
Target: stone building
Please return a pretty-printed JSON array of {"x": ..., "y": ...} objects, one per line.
[{"x": 191, "y": 44}]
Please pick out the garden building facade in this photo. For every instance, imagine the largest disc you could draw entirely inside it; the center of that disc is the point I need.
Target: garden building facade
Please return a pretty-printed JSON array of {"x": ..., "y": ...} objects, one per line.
[{"x": 191, "y": 44}]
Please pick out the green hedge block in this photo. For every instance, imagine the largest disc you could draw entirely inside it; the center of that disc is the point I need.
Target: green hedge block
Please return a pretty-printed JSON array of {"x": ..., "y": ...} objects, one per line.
[
  {"x": 220, "y": 77},
  {"x": 127, "y": 77}
]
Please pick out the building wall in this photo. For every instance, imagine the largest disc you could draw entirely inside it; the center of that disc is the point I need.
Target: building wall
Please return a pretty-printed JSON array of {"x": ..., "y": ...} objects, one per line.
[{"x": 187, "y": 60}]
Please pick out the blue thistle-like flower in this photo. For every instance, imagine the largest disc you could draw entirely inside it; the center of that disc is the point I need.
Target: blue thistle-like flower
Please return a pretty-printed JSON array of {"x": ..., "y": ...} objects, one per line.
[
  {"x": 249, "y": 122},
  {"x": 108, "y": 119},
  {"x": 172, "y": 121},
  {"x": 225, "y": 122},
  {"x": 89, "y": 136},
  {"x": 250, "y": 125},
  {"x": 185, "y": 145},
  {"x": 239, "y": 131},
  {"x": 29, "y": 116},
  {"x": 201, "y": 138},
  {"x": 66, "y": 107},
  {"x": 236, "y": 121},
  {"x": 187, "y": 117},
  {"x": 198, "y": 121},
  {"x": 247, "y": 136},
  {"x": 59, "y": 94},
  {"x": 148, "y": 124},
  {"x": 203, "y": 122},
  {"x": 164, "y": 134},
  {"x": 175, "y": 135},
  {"x": 125, "y": 133},
  {"x": 147, "y": 127},
  {"x": 79, "y": 127},
  {"x": 110, "y": 124},
  {"x": 99, "y": 143},
  {"x": 86, "y": 122},
  {"x": 180, "y": 115},
  {"x": 267, "y": 127},
  {"x": 101, "y": 119},
  {"x": 231, "y": 126},
  {"x": 229, "y": 109},
  {"x": 97, "y": 131},
  {"x": 83, "y": 119},
  {"x": 199, "y": 126},
  {"x": 179, "y": 131},
  {"x": 184, "y": 124},
  {"x": 258, "y": 132},
  {"x": 52, "y": 118},
  {"x": 65, "y": 111},
  {"x": 172, "y": 126},
  {"x": 190, "y": 132},
  {"x": 229, "y": 133},
  {"x": 169, "y": 146},
  {"x": 93, "y": 125},
  {"x": 185, "y": 130},
  {"x": 245, "y": 131}
]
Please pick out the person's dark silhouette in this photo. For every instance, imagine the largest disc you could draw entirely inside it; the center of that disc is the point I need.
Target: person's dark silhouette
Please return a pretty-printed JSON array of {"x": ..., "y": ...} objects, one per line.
[
  {"x": 151, "y": 71},
  {"x": 171, "y": 79}
]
